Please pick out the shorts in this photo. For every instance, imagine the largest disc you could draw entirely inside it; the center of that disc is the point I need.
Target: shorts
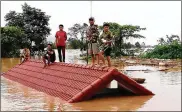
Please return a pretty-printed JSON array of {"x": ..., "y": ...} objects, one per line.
[
  {"x": 93, "y": 48},
  {"x": 107, "y": 51}
]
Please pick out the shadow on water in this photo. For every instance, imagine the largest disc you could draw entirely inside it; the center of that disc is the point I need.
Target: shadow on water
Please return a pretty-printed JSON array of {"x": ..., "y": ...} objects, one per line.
[{"x": 165, "y": 85}]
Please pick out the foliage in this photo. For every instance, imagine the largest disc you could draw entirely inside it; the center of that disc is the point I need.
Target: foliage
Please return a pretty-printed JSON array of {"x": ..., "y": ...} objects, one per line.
[
  {"x": 74, "y": 43},
  {"x": 12, "y": 39},
  {"x": 169, "y": 40},
  {"x": 33, "y": 22},
  {"x": 170, "y": 49},
  {"x": 77, "y": 31}
]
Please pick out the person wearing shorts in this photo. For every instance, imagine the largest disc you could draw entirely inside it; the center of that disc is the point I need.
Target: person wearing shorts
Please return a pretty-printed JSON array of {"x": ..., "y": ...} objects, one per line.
[
  {"x": 105, "y": 41},
  {"x": 92, "y": 38},
  {"x": 49, "y": 56}
]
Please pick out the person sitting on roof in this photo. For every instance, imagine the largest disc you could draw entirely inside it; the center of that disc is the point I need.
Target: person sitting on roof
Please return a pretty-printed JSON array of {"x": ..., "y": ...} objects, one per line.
[
  {"x": 25, "y": 55},
  {"x": 49, "y": 56}
]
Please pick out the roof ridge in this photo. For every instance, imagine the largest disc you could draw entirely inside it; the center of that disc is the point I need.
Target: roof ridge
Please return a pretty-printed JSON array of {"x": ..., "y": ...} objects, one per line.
[{"x": 99, "y": 68}]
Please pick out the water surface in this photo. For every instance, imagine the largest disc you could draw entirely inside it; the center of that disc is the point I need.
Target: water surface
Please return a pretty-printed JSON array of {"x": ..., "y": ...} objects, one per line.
[{"x": 165, "y": 85}]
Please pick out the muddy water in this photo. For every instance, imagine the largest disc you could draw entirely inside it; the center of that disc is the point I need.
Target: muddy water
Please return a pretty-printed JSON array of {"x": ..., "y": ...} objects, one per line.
[{"x": 165, "y": 85}]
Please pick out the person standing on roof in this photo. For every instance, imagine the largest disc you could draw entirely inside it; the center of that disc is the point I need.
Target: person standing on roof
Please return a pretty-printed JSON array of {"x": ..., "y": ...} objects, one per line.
[
  {"x": 92, "y": 38},
  {"x": 105, "y": 41},
  {"x": 61, "y": 38}
]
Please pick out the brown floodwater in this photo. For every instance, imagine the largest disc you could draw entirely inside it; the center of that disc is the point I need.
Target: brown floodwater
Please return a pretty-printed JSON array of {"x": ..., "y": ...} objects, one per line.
[{"x": 165, "y": 84}]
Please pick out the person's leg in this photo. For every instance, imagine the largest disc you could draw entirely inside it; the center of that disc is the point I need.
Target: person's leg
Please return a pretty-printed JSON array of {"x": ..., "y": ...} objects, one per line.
[
  {"x": 93, "y": 60},
  {"x": 44, "y": 60},
  {"x": 52, "y": 60},
  {"x": 109, "y": 61},
  {"x": 95, "y": 50},
  {"x": 108, "y": 54},
  {"x": 101, "y": 57},
  {"x": 21, "y": 57},
  {"x": 63, "y": 52},
  {"x": 90, "y": 52},
  {"x": 59, "y": 53},
  {"x": 48, "y": 59},
  {"x": 97, "y": 58}
]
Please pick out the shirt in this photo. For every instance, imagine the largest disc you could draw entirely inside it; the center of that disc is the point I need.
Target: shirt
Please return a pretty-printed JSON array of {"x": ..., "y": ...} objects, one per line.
[
  {"x": 61, "y": 38},
  {"x": 107, "y": 36},
  {"x": 52, "y": 56},
  {"x": 92, "y": 33}
]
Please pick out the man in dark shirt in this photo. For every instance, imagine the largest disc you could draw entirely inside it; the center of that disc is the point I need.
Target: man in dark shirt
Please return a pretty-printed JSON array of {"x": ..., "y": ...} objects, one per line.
[{"x": 49, "y": 56}]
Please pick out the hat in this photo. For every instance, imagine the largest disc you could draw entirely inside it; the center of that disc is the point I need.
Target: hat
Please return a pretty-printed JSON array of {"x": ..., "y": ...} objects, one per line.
[{"x": 91, "y": 18}]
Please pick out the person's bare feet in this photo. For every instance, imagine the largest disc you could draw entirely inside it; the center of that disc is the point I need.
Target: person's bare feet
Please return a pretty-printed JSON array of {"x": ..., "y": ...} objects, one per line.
[
  {"x": 44, "y": 65},
  {"x": 97, "y": 65},
  {"x": 103, "y": 66},
  {"x": 92, "y": 65}
]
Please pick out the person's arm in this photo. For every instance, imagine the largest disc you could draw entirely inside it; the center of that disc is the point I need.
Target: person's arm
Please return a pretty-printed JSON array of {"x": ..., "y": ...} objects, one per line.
[
  {"x": 87, "y": 34},
  {"x": 100, "y": 39},
  {"x": 110, "y": 38},
  {"x": 97, "y": 31},
  {"x": 65, "y": 36},
  {"x": 56, "y": 36},
  {"x": 27, "y": 53},
  {"x": 51, "y": 52}
]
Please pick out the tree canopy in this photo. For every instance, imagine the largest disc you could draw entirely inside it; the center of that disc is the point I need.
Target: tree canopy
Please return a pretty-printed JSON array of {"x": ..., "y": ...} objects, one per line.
[
  {"x": 33, "y": 21},
  {"x": 12, "y": 39}
]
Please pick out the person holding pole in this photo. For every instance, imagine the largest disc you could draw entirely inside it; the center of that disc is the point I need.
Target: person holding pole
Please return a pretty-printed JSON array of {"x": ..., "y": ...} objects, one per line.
[{"x": 92, "y": 41}]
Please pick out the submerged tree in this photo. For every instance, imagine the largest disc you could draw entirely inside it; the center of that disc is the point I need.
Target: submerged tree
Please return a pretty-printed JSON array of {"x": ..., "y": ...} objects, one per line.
[{"x": 12, "y": 39}]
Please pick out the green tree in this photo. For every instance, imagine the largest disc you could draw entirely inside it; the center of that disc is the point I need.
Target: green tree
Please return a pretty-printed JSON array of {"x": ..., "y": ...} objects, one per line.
[
  {"x": 12, "y": 39},
  {"x": 34, "y": 23},
  {"x": 74, "y": 43},
  {"x": 78, "y": 31}
]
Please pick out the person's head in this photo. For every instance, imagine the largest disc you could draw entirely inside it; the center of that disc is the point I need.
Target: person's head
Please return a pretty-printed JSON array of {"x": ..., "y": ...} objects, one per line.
[
  {"x": 25, "y": 49},
  {"x": 61, "y": 27},
  {"x": 49, "y": 46},
  {"x": 106, "y": 27},
  {"x": 91, "y": 20}
]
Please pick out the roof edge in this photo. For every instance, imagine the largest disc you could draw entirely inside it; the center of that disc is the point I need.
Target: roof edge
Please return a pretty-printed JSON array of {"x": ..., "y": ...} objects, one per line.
[{"x": 94, "y": 87}]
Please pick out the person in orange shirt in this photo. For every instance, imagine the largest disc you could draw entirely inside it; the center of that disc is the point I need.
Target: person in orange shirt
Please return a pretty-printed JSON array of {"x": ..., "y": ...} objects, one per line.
[{"x": 61, "y": 38}]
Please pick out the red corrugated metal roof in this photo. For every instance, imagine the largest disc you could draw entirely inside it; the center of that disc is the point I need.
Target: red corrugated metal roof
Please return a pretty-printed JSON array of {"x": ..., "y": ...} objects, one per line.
[{"x": 70, "y": 82}]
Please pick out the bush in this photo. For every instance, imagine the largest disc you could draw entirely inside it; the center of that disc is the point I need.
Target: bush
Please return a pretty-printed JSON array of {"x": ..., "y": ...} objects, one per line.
[{"x": 165, "y": 51}]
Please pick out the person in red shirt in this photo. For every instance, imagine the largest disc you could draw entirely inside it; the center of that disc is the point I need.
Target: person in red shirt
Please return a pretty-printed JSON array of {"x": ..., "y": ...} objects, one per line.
[{"x": 61, "y": 38}]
